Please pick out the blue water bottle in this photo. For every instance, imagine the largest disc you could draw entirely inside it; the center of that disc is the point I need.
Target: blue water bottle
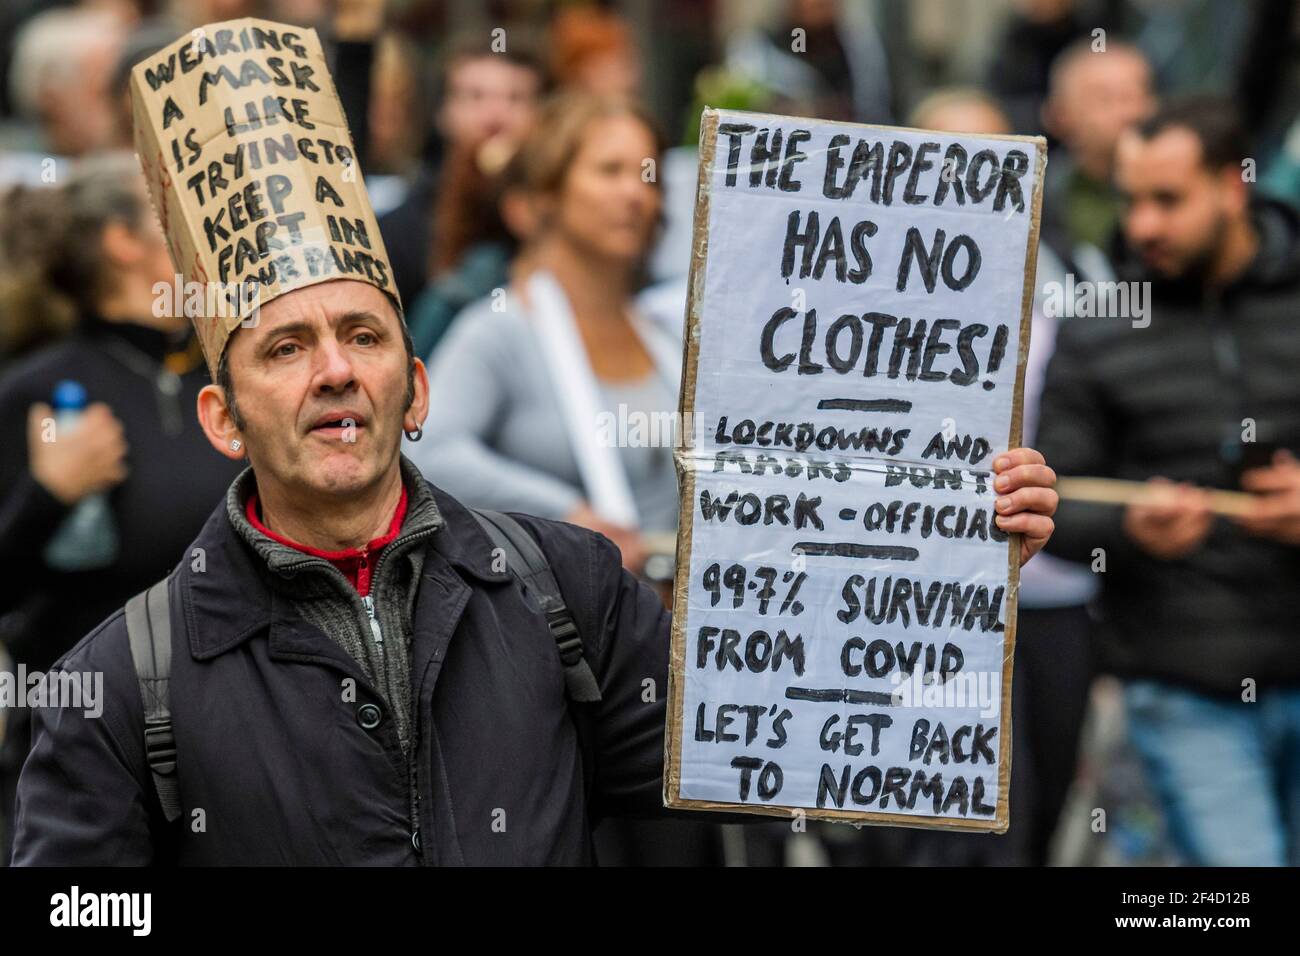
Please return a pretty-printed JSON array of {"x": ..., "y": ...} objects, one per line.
[{"x": 87, "y": 538}]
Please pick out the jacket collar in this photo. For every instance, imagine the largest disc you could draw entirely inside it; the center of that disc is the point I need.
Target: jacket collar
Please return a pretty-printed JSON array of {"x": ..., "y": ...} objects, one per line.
[
  {"x": 227, "y": 585},
  {"x": 288, "y": 560}
]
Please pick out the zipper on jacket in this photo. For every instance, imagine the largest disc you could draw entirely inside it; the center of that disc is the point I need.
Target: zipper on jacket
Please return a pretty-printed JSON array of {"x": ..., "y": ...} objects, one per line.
[
  {"x": 369, "y": 602},
  {"x": 412, "y": 758},
  {"x": 375, "y": 630}
]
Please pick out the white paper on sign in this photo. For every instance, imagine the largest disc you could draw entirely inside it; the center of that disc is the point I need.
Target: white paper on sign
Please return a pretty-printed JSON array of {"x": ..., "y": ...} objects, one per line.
[{"x": 845, "y": 605}]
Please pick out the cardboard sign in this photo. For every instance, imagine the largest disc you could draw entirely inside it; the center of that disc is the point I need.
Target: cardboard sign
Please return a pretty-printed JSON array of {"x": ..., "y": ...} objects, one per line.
[
  {"x": 845, "y": 605},
  {"x": 251, "y": 169}
]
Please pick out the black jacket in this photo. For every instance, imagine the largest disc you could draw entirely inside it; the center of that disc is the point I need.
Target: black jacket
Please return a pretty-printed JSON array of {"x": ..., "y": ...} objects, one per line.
[
  {"x": 175, "y": 480},
  {"x": 274, "y": 765},
  {"x": 1171, "y": 400}
]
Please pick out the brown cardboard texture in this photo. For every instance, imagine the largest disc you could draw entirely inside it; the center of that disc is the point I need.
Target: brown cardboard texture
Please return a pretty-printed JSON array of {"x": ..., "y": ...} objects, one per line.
[{"x": 252, "y": 171}]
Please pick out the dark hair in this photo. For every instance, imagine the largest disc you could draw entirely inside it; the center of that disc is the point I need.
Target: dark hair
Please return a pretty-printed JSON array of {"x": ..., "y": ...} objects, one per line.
[
  {"x": 1213, "y": 120},
  {"x": 228, "y": 387},
  {"x": 227, "y": 384}
]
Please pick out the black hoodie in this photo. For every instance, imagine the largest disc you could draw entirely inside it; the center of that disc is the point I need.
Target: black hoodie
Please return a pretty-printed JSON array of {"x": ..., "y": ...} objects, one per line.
[{"x": 1178, "y": 398}]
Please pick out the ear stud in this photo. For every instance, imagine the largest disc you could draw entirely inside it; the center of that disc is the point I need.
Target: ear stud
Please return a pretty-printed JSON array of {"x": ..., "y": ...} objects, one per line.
[{"x": 236, "y": 444}]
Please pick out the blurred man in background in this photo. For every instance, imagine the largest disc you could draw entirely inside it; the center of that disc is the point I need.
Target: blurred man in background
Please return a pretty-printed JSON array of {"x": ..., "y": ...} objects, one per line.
[
  {"x": 487, "y": 98},
  {"x": 1094, "y": 97},
  {"x": 1200, "y": 610},
  {"x": 61, "y": 77}
]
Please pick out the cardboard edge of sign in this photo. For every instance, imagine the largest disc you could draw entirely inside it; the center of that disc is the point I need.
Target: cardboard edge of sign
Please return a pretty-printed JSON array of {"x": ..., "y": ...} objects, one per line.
[{"x": 1001, "y": 819}]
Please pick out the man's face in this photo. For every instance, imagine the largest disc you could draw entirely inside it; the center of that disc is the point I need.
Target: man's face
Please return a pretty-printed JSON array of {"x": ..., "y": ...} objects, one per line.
[
  {"x": 1102, "y": 95},
  {"x": 320, "y": 384},
  {"x": 486, "y": 97},
  {"x": 78, "y": 110},
  {"x": 1175, "y": 207}
]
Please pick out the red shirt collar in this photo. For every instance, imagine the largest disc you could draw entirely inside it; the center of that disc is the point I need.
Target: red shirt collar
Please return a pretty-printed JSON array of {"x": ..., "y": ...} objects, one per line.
[{"x": 355, "y": 563}]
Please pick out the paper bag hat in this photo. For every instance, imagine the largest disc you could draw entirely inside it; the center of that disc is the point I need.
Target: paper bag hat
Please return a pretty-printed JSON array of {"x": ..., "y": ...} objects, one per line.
[{"x": 252, "y": 172}]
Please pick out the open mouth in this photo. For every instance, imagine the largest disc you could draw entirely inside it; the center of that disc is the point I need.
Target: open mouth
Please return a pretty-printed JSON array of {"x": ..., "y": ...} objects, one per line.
[{"x": 338, "y": 423}]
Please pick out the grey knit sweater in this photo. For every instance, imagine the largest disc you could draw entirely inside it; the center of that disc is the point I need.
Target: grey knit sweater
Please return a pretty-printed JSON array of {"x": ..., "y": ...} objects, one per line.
[{"x": 323, "y": 597}]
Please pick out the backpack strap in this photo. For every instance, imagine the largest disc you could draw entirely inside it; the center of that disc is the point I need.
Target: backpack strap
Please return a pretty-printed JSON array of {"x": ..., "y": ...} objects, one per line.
[
  {"x": 149, "y": 630},
  {"x": 529, "y": 566},
  {"x": 527, "y": 562}
]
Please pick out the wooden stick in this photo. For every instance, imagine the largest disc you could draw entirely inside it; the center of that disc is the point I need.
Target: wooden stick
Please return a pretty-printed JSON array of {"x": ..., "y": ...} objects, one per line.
[{"x": 1115, "y": 491}]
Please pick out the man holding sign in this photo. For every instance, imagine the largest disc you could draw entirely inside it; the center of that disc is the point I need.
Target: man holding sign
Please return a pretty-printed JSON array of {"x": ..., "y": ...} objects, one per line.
[
  {"x": 845, "y": 605},
  {"x": 354, "y": 676}
]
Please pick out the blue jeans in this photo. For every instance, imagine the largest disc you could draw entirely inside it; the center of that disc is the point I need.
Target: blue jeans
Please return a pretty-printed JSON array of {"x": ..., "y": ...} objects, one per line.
[{"x": 1227, "y": 772}]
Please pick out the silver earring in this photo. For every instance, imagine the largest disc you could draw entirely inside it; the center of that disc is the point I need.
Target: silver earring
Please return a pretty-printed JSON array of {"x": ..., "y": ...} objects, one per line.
[
  {"x": 415, "y": 435},
  {"x": 236, "y": 444}
]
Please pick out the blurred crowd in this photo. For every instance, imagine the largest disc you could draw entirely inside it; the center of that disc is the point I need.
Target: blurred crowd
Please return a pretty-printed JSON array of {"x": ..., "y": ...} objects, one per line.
[{"x": 504, "y": 146}]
